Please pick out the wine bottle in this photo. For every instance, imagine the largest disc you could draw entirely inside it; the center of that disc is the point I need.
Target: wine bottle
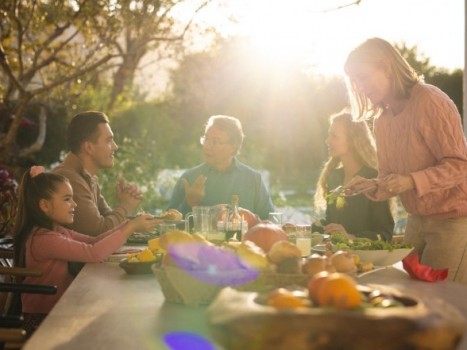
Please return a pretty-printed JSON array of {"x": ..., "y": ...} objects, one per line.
[{"x": 235, "y": 225}]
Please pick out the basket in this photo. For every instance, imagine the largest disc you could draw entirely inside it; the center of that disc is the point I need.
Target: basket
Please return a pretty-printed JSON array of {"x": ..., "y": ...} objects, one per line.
[{"x": 179, "y": 286}]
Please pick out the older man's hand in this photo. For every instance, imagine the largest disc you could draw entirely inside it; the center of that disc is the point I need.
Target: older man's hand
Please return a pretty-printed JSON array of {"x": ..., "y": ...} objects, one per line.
[{"x": 194, "y": 193}]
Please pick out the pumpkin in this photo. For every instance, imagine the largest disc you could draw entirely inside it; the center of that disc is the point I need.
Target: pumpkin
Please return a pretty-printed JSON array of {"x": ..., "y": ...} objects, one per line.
[
  {"x": 265, "y": 234},
  {"x": 249, "y": 216}
]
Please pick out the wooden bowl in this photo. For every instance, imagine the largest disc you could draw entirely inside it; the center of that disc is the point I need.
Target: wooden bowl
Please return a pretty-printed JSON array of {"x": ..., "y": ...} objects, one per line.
[
  {"x": 137, "y": 268},
  {"x": 239, "y": 321}
]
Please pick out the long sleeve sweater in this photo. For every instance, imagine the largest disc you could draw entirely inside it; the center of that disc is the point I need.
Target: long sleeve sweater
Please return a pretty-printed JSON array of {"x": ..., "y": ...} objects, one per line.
[
  {"x": 50, "y": 251},
  {"x": 426, "y": 141},
  {"x": 92, "y": 215}
]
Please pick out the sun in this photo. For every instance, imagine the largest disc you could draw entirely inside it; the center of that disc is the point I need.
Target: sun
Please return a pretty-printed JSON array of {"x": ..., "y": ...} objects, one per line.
[{"x": 299, "y": 33}]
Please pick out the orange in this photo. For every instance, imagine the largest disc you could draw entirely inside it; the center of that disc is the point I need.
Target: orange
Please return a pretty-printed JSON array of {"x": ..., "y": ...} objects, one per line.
[
  {"x": 315, "y": 283},
  {"x": 285, "y": 299},
  {"x": 339, "y": 290}
]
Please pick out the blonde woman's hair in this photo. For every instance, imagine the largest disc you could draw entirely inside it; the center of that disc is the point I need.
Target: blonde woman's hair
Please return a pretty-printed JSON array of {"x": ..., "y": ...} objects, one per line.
[
  {"x": 361, "y": 142},
  {"x": 380, "y": 54}
]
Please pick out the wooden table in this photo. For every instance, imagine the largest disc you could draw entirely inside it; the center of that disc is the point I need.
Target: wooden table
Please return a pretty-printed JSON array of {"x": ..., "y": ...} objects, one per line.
[{"x": 105, "y": 308}]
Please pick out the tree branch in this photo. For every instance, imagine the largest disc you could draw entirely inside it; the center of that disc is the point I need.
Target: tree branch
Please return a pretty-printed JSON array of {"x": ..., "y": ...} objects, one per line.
[{"x": 37, "y": 145}]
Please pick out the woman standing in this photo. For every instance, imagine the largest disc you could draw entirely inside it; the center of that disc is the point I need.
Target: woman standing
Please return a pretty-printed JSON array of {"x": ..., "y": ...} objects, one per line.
[
  {"x": 422, "y": 152},
  {"x": 352, "y": 152}
]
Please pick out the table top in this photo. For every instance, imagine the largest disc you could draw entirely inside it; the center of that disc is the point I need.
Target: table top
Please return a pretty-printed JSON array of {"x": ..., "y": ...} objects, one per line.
[{"x": 104, "y": 308}]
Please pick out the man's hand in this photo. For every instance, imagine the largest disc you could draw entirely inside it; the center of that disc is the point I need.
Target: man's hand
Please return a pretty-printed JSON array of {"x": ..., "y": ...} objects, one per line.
[
  {"x": 128, "y": 195},
  {"x": 194, "y": 194}
]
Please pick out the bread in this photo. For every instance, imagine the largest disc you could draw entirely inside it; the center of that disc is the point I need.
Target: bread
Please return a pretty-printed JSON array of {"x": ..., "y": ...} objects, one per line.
[
  {"x": 171, "y": 214},
  {"x": 283, "y": 250}
]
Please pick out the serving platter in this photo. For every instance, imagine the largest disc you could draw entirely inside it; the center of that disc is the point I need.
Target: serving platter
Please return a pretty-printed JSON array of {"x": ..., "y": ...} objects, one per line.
[{"x": 238, "y": 321}]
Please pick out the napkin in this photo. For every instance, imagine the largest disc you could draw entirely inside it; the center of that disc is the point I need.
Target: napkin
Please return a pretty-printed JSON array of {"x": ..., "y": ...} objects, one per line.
[{"x": 421, "y": 272}]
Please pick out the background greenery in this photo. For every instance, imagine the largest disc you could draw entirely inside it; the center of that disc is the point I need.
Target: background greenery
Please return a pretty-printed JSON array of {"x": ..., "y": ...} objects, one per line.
[{"x": 284, "y": 110}]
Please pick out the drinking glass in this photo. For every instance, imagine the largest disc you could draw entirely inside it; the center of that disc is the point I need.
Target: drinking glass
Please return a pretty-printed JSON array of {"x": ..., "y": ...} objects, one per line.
[
  {"x": 165, "y": 227},
  {"x": 276, "y": 218}
]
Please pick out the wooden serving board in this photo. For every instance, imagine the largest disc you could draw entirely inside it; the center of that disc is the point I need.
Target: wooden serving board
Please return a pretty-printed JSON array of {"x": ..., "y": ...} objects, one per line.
[{"x": 239, "y": 322}]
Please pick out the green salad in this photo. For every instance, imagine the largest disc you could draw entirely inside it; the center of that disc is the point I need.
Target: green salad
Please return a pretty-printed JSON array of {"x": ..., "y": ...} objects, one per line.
[{"x": 341, "y": 242}]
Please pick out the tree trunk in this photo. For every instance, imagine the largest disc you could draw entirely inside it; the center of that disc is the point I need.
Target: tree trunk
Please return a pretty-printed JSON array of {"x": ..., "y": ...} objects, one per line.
[{"x": 125, "y": 74}]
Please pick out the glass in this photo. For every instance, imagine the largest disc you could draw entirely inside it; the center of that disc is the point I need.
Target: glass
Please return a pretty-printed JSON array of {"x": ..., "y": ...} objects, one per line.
[
  {"x": 202, "y": 222},
  {"x": 213, "y": 142},
  {"x": 276, "y": 218},
  {"x": 164, "y": 228},
  {"x": 304, "y": 244}
]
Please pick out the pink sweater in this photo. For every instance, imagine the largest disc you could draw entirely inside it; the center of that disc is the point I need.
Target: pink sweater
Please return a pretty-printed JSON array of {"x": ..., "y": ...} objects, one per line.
[
  {"x": 50, "y": 252},
  {"x": 426, "y": 141}
]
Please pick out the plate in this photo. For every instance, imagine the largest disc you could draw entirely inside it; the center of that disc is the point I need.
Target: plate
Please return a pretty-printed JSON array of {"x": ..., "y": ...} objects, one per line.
[
  {"x": 137, "y": 268},
  {"x": 141, "y": 238},
  {"x": 382, "y": 257}
]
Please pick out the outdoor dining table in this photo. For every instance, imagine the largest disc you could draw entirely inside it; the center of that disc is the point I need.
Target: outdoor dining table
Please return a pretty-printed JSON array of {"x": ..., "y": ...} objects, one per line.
[{"x": 104, "y": 308}]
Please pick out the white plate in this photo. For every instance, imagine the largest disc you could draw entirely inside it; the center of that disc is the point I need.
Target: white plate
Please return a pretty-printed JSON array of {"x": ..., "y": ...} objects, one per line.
[{"x": 382, "y": 257}]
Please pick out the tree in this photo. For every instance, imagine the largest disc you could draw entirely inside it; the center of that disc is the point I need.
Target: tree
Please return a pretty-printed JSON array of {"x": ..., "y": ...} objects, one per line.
[
  {"x": 52, "y": 47},
  {"x": 284, "y": 112},
  {"x": 449, "y": 82},
  {"x": 147, "y": 26},
  {"x": 44, "y": 44}
]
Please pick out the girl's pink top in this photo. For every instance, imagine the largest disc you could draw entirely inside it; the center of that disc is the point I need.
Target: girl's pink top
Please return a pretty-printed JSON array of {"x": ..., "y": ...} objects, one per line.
[
  {"x": 426, "y": 140},
  {"x": 50, "y": 252}
]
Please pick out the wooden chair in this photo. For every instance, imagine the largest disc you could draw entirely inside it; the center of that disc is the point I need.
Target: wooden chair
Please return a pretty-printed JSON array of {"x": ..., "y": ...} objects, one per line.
[{"x": 12, "y": 335}]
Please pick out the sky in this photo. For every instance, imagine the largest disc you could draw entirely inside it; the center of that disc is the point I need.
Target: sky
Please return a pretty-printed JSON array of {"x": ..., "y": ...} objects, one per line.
[{"x": 320, "y": 36}]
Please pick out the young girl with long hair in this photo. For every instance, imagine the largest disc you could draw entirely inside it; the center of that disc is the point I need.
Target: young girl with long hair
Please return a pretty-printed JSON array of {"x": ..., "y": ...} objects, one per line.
[
  {"x": 352, "y": 152},
  {"x": 43, "y": 242}
]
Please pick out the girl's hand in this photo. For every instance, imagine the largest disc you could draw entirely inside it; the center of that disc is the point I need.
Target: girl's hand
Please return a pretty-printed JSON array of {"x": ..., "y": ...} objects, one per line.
[{"x": 144, "y": 223}]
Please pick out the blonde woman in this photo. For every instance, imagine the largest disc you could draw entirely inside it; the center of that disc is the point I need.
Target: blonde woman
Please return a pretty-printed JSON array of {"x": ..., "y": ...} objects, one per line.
[
  {"x": 422, "y": 152},
  {"x": 352, "y": 153}
]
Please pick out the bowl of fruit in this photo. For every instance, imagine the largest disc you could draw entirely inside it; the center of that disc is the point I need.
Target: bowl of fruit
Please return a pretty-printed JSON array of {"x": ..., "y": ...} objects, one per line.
[
  {"x": 333, "y": 312},
  {"x": 140, "y": 263}
]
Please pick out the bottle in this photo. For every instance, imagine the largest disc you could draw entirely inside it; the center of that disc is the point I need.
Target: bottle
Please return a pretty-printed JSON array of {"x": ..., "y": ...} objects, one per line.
[{"x": 235, "y": 225}]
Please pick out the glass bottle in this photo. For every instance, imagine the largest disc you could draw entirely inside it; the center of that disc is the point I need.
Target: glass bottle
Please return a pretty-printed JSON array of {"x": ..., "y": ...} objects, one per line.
[{"x": 235, "y": 225}]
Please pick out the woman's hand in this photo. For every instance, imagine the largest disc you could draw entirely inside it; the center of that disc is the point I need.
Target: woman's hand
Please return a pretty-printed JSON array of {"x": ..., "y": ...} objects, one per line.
[
  {"x": 337, "y": 227},
  {"x": 396, "y": 184},
  {"x": 360, "y": 184}
]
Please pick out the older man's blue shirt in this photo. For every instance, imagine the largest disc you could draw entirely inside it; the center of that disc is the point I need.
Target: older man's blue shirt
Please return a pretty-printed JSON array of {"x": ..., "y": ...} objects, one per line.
[{"x": 239, "y": 179}]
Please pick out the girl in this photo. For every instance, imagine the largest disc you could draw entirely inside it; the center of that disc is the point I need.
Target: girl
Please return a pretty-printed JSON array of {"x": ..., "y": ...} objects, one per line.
[
  {"x": 352, "y": 152},
  {"x": 42, "y": 242},
  {"x": 422, "y": 152}
]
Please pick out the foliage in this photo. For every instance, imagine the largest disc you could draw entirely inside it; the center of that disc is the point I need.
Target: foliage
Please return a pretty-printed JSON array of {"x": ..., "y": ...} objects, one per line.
[
  {"x": 50, "y": 47},
  {"x": 147, "y": 139},
  {"x": 44, "y": 44},
  {"x": 449, "y": 82},
  {"x": 8, "y": 200},
  {"x": 284, "y": 113}
]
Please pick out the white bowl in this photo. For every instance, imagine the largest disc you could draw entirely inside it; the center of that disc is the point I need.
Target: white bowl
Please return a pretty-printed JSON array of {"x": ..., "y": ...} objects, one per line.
[{"x": 382, "y": 257}]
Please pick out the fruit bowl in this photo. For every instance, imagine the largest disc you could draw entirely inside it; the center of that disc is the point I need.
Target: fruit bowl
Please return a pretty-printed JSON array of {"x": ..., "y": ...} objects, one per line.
[
  {"x": 137, "y": 268},
  {"x": 382, "y": 257},
  {"x": 238, "y": 321}
]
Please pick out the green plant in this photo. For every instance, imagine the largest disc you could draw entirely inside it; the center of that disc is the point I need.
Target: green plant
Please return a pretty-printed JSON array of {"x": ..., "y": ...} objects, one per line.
[{"x": 8, "y": 200}]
